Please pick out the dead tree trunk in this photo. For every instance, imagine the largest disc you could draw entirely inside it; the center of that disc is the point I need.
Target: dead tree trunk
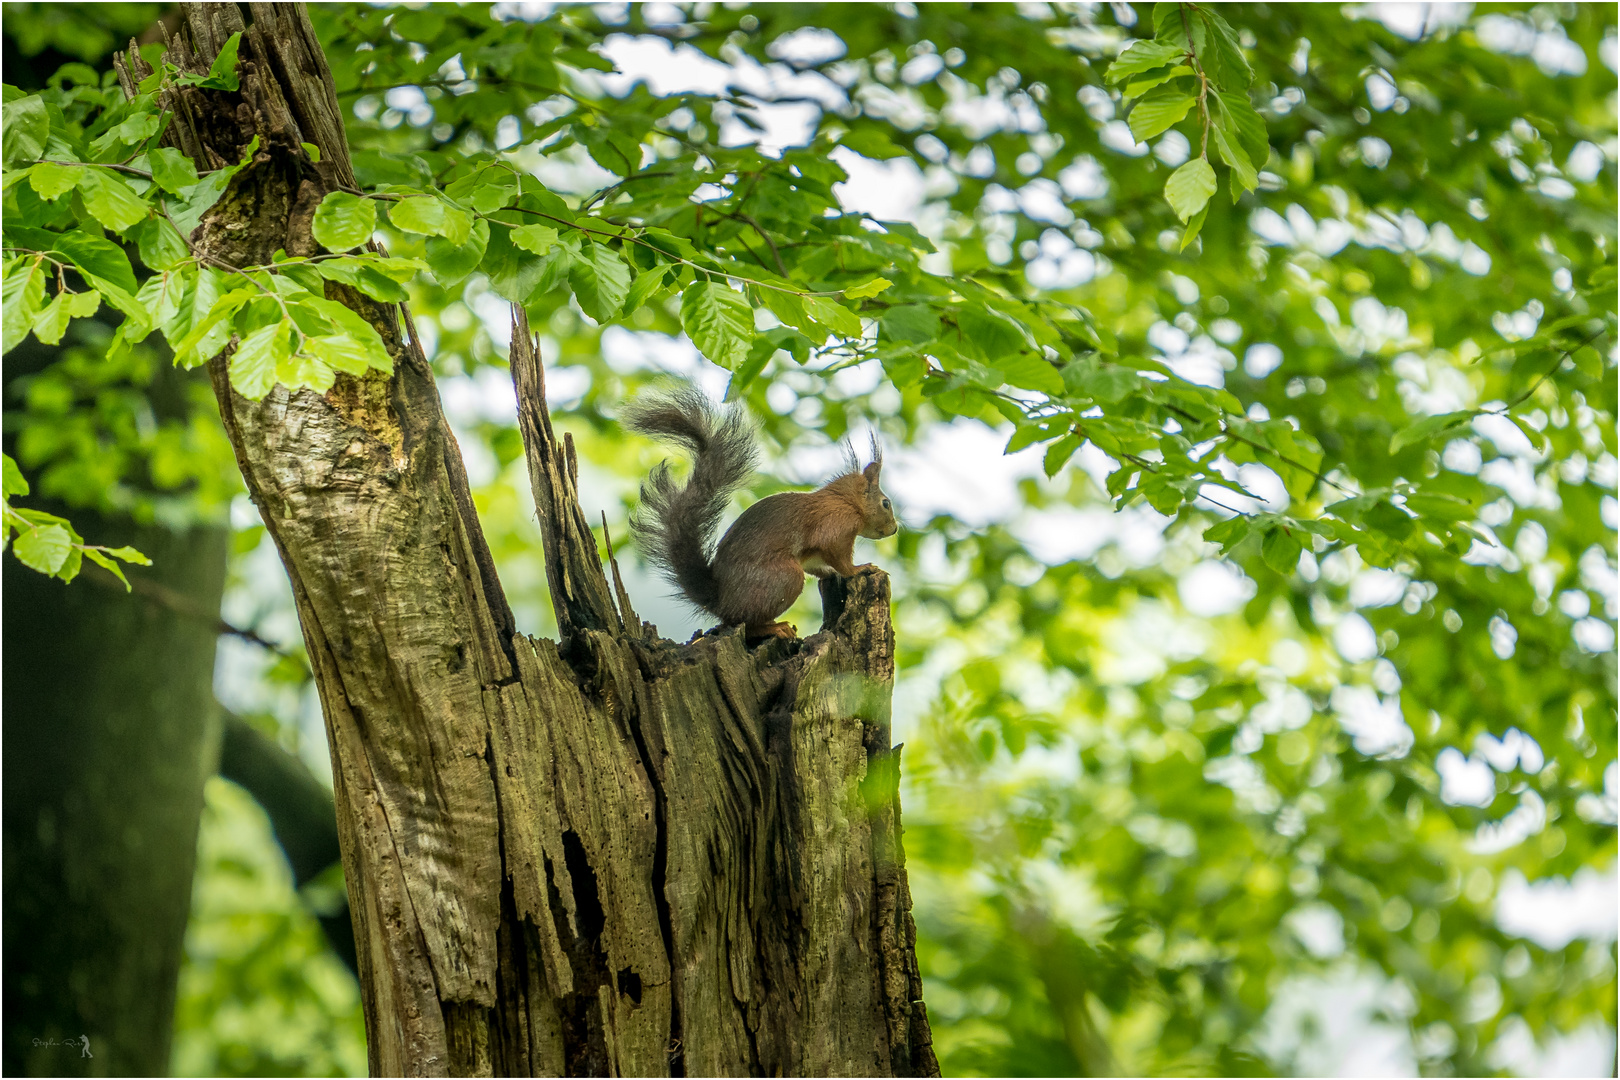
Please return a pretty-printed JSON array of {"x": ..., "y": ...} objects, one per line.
[{"x": 608, "y": 854}]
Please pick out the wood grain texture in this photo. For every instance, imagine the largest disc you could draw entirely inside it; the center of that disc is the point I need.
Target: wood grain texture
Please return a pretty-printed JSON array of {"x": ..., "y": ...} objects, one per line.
[{"x": 603, "y": 855}]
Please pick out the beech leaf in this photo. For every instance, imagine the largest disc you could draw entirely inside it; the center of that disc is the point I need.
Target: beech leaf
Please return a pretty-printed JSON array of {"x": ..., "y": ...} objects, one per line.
[{"x": 1189, "y": 188}]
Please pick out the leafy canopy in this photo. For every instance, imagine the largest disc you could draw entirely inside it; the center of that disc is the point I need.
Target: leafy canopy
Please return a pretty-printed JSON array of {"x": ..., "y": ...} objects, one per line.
[{"x": 1375, "y": 377}]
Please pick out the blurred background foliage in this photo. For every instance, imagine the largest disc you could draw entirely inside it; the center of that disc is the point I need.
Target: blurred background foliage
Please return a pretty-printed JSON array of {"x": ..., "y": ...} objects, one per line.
[{"x": 1167, "y": 812}]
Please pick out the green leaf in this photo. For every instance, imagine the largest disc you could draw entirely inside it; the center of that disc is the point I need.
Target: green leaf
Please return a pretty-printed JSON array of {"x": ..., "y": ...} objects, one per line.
[
  {"x": 513, "y": 273},
  {"x": 352, "y": 325},
  {"x": 11, "y": 477},
  {"x": 95, "y": 255},
  {"x": 253, "y": 365},
  {"x": 646, "y": 283},
  {"x": 340, "y": 352},
  {"x": 1249, "y": 125},
  {"x": 344, "y": 221},
  {"x": 313, "y": 151},
  {"x": 457, "y": 224},
  {"x": 363, "y": 274},
  {"x": 1228, "y": 533},
  {"x": 25, "y": 126},
  {"x": 789, "y": 307},
  {"x": 601, "y": 281},
  {"x": 537, "y": 239},
  {"x": 199, "y": 293},
  {"x": 107, "y": 564},
  {"x": 989, "y": 336},
  {"x": 21, "y": 297},
  {"x": 110, "y": 200},
  {"x": 490, "y": 190},
  {"x": 390, "y": 266},
  {"x": 451, "y": 263},
  {"x": 1194, "y": 227},
  {"x": 222, "y": 73},
  {"x": 1024, "y": 435},
  {"x": 140, "y": 126},
  {"x": 834, "y": 316},
  {"x": 759, "y": 354},
  {"x": 207, "y": 191},
  {"x": 915, "y": 323},
  {"x": 72, "y": 564},
  {"x": 867, "y": 288},
  {"x": 44, "y": 548},
  {"x": 1107, "y": 383},
  {"x": 613, "y": 149},
  {"x": 136, "y": 324},
  {"x": 1137, "y": 87},
  {"x": 1172, "y": 23},
  {"x": 1389, "y": 519},
  {"x": 871, "y": 143},
  {"x": 1158, "y": 111},
  {"x": 1143, "y": 56},
  {"x": 1280, "y": 550},
  {"x": 1299, "y": 457},
  {"x": 51, "y": 181},
  {"x": 159, "y": 299},
  {"x": 1430, "y": 427},
  {"x": 418, "y": 214},
  {"x": 302, "y": 370},
  {"x": 1441, "y": 507},
  {"x": 719, "y": 321},
  {"x": 1227, "y": 145},
  {"x": 1234, "y": 67},
  {"x": 1189, "y": 188},
  {"x": 129, "y": 555},
  {"x": 1538, "y": 439},
  {"x": 50, "y": 323},
  {"x": 160, "y": 246},
  {"x": 171, "y": 170},
  {"x": 1058, "y": 454},
  {"x": 1031, "y": 373}
]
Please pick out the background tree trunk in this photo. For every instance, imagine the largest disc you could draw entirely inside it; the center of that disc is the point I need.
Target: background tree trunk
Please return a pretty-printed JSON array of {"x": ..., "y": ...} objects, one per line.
[
  {"x": 607, "y": 854},
  {"x": 111, "y": 730},
  {"x": 300, "y": 811}
]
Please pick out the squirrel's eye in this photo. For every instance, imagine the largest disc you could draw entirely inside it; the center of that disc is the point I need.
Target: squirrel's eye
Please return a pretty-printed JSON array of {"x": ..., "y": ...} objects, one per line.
[{"x": 885, "y": 504}]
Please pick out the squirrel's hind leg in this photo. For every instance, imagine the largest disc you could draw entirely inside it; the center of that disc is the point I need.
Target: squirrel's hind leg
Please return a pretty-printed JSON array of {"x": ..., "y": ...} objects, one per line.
[{"x": 755, "y": 592}]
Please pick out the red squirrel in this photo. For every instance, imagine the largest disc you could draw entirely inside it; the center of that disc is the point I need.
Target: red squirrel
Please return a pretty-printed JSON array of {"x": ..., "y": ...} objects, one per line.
[{"x": 758, "y": 569}]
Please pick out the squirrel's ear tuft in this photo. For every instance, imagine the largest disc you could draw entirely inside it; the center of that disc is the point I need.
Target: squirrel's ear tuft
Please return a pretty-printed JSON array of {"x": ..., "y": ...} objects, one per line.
[{"x": 852, "y": 460}]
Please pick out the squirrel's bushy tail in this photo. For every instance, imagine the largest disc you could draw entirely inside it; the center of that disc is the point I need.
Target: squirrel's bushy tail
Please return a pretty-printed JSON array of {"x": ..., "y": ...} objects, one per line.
[{"x": 675, "y": 525}]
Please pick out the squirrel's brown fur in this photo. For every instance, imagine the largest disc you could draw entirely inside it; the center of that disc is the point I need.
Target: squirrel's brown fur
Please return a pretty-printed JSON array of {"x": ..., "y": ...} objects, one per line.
[{"x": 758, "y": 569}]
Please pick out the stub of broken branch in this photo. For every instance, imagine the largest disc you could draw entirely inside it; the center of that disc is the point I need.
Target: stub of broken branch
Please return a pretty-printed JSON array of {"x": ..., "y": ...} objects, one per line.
[{"x": 579, "y": 590}]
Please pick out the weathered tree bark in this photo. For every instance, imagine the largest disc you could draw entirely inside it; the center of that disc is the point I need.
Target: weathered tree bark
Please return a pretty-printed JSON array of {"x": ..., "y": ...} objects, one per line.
[{"x": 607, "y": 854}]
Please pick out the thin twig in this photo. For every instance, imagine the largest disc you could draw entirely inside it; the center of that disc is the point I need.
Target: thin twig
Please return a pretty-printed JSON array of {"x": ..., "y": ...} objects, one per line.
[
  {"x": 1284, "y": 458},
  {"x": 96, "y": 165},
  {"x": 781, "y": 267},
  {"x": 1148, "y": 466},
  {"x": 184, "y": 606},
  {"x": 1558, "y": 363},
  {"x": 1203, "y": 82}
]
